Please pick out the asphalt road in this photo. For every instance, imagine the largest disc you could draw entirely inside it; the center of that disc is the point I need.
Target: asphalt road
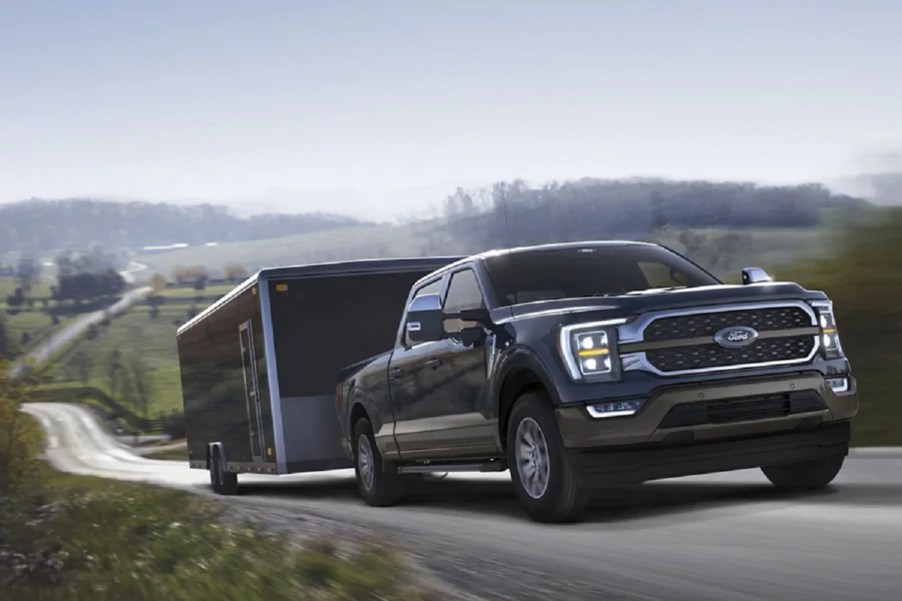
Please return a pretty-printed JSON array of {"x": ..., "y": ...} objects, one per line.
[
  {"x": 721, "y": 537},
  {"x": 73, "y": 330}
]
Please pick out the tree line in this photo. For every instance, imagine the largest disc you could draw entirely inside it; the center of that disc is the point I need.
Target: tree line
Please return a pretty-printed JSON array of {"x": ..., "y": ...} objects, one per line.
[
  {"x": 37, "y": 225},
  {"x": 517, "y": 213}
]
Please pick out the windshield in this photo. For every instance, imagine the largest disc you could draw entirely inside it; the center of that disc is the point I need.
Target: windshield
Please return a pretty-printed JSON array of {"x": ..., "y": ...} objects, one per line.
[{"x": 572, "y": 272}]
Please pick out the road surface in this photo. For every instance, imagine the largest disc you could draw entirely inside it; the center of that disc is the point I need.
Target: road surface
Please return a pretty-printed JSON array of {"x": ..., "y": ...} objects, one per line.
[
  {"x": 721, "y": 537},
  {"x": 73, "y": 330}
]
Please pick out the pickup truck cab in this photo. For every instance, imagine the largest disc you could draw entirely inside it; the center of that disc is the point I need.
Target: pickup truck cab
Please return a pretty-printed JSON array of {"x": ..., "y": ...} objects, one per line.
[{"x": 583, "y": 365}]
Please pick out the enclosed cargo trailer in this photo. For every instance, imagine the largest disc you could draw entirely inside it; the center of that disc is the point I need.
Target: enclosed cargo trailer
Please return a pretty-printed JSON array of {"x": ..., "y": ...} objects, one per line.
[{"x": 259, "y": 366}]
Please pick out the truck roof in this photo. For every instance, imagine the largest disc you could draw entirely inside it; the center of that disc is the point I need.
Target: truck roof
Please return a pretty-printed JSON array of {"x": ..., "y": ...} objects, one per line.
[
  {"x": 322, "y": 269},
  {"x": 544, "y": 247}
]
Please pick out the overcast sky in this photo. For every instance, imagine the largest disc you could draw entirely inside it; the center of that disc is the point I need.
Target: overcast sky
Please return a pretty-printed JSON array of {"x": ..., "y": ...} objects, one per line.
[{"x": 227, "y": 99}]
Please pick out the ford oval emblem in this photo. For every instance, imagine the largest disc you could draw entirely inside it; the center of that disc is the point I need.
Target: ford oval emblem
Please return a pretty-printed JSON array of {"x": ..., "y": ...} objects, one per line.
[{"x": 736, "y": 337}]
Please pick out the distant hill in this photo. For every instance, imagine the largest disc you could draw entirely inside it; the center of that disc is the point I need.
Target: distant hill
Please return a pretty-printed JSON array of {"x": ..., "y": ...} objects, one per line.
[
  {"x": 635, "y": 208},
  {"x": 37, "y": 225}
]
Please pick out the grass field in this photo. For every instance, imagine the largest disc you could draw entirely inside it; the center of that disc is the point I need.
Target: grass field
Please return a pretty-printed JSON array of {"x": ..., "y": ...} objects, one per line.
[
  {"x": 347, "y": 243},
  {"x": 75, "y": 537},
  {"x": 40, "y": 288},
  {"x": 36, "y": 324},
  {"x": 134, "y": 332},
  {"x": 188, "y": 292}
]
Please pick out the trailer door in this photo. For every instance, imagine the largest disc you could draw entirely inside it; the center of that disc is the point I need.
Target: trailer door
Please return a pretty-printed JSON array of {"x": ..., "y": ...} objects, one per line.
[{"x": 251, "y": 389}]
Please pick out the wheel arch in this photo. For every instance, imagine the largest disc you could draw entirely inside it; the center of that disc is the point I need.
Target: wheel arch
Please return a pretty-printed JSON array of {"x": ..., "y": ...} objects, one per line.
[{"x": 521, "y": 374}]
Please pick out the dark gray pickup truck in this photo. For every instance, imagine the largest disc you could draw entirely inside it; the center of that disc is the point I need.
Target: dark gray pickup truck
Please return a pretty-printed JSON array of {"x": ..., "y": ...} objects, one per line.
[{"x": 583, "y": 365}]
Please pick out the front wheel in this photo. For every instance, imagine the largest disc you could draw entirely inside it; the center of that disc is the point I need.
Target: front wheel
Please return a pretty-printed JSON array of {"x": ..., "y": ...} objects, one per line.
[
  {"x": 541, "y": 470},
  {"x": 380, "y": 485},
  {"x": 806, "y": 475}
]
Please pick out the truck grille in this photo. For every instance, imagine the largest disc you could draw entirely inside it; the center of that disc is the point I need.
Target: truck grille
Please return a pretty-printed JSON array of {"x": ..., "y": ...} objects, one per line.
[
  {"x": 706, "y": 324},
  {"x": 748, "y": 409},
  {"x": 676, "y": 344},
  {"x": 713, "y": 355}
]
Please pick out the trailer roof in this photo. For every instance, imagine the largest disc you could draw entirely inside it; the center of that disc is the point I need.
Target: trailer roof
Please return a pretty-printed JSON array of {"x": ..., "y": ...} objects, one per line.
[{"x": 320, "y": 269}]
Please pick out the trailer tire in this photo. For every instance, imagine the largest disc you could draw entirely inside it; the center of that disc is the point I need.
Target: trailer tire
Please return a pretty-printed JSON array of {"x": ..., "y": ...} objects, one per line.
[
  {"x": 540, "y": 466},
  {"x": 379, "y": 483},
  {"x": 224, "y": 482}
]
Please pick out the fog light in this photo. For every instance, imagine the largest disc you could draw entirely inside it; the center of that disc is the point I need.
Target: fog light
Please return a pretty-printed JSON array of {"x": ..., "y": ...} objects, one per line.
[
  {"x": 838, "y": 385},
  {"x": 615, "y": 408}
]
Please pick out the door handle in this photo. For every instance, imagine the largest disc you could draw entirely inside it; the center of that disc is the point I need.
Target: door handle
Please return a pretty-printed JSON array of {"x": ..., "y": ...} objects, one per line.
[
  {"x": 434, "y": 363},
  {"x": 396, "y": 373}
]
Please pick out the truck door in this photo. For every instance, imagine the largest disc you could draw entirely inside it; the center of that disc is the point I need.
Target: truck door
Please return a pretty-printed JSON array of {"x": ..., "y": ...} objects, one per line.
[
  {"x": 251, "y": 389},
  {"x": 438, "y": 387}
]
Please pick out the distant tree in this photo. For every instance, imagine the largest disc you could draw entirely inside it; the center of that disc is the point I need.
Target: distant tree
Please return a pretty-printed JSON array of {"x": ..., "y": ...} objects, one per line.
[
  {"x": 20, "y": 438},
  {"x": 142, "y": 382},
  {"x": 189, "y": 274},
  {"x": 5, "y": 346},
  {"x": 27, "y": 270},
  {"x": 459, "y": 203},
  {"x": 82, "y": 364},
  {"x": 17, "y": 298},
  {"x": 234, "y": 272},
  {"x": 86, "y": 285},
  {"x": 158, "y": 283},
  {"x": 114, "y": 370},
  {"x": 200, "y": 284}
]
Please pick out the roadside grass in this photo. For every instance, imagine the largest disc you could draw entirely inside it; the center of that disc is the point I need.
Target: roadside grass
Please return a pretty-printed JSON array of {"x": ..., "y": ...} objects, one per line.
[
  {"x": 76, "y": 537},
  {"x": 180, "y": 454},
  {"x": 878, "y": 370}
]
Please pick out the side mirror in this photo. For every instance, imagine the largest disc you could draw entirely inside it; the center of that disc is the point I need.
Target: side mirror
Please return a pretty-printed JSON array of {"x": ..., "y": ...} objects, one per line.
[
  {"x": 754, "y": 275},
  {"x": 424, "y": 319},
  {"x": 480, "y": 315}
]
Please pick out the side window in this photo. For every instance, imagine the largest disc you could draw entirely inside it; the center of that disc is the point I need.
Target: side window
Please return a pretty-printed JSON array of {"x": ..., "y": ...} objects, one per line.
[
  {"x": 433, "y": 287},
  {"x": 463, "y": 293}
]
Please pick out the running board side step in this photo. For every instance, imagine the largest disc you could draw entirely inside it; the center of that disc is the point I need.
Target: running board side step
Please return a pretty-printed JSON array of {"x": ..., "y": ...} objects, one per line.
[{"x": 494, "y": 466}]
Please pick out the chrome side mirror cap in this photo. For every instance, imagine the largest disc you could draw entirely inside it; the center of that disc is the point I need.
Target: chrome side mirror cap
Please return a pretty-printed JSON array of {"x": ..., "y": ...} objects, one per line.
[{"x": 754, "y": 275}]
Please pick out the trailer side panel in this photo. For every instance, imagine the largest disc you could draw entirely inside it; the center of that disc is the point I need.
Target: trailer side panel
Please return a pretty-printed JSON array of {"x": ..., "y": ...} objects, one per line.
[{"x": 225, "y": 383}]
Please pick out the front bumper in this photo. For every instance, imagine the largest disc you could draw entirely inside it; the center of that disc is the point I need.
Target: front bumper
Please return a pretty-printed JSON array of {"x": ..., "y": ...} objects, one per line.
[
  {"x": 655, "y": 422},
  {"x": 600, "y": 468}
]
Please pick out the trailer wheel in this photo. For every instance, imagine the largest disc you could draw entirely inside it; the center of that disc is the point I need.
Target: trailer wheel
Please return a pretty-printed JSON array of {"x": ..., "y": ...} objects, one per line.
[
  {"x": 224, "y": 482},
  {"x": 540, "y": 466},
  {"x": 379, "y": 483}
]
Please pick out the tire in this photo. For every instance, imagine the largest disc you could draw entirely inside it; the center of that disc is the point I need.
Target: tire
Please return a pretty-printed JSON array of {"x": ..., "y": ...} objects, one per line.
[
  {"x": 540, "y": 465},
  {"x": 224, "y": 482},
  {"x": 806, "y": 475},
  {"x": 379, "y": 483}
]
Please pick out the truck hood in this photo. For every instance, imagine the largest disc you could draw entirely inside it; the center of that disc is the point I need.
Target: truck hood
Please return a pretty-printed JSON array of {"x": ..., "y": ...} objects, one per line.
[{"x": 644, "y": 301}]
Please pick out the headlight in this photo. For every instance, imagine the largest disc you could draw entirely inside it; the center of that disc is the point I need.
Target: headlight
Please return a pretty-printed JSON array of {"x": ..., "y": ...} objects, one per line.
[
  {"x": 829, "y": 335},
  {"x": 589, "y": 350}
]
